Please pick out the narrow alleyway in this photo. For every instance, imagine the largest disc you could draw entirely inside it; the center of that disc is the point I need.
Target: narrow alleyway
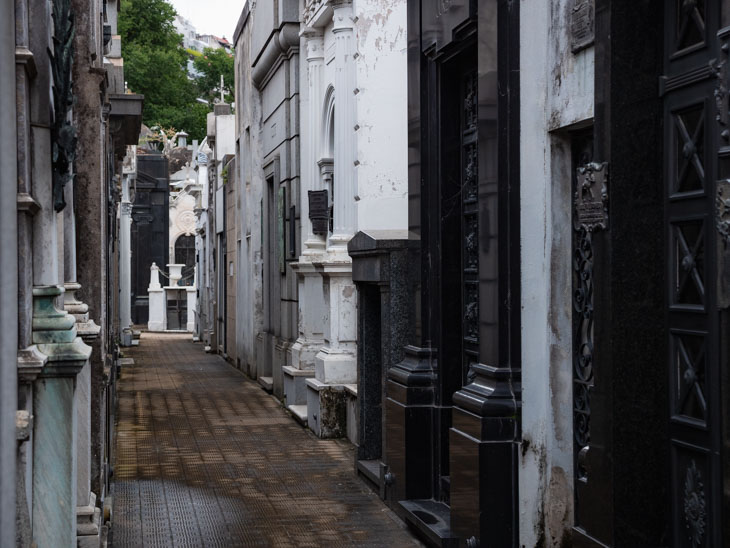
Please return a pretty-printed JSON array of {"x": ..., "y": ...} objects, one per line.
[{"x": 206, "y": 458}]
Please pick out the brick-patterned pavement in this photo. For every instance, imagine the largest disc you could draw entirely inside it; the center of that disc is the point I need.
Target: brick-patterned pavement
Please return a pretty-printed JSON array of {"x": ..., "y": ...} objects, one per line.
[{"x": 204, "y": 457}]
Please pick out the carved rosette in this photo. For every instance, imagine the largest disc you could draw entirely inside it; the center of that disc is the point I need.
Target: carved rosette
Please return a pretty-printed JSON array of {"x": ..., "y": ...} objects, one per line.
[
  {"x": 186, "y": 222},
  {"x": 694, "y": 504}
]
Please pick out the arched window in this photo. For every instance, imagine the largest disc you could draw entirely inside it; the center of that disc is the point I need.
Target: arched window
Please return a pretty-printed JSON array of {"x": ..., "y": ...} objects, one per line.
[
  {"x": 326, "y": 165},
  {"x": 185, "y": 254}
]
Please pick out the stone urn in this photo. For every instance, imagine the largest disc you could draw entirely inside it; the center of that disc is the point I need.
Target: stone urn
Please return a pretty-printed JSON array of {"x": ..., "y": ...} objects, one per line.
[{"x": 175, "y": 271}]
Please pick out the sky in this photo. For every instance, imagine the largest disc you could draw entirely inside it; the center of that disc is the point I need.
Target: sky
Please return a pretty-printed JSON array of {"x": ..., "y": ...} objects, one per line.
[{"x": 218, "y": 17}]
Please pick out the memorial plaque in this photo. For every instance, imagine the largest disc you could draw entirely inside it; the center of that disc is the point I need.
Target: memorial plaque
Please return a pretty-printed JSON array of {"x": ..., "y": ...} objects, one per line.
[
  {"x": 319, "y": 211},
  {"x": 582, "y": 28},
  {"x": 591, "y": 197}
]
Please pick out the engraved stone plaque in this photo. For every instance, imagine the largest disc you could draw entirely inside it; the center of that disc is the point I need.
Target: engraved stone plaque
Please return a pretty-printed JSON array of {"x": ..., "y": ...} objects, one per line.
[
  {"x": 319, "y": 211},
  {"x": 591, "y": 197},
  {"x": 582, "y": 29}
]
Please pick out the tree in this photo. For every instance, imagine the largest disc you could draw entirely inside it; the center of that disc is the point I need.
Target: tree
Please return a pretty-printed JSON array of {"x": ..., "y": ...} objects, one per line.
[
  {"x": 155, "y": 65},
  {"x": 210, "y": 66}
]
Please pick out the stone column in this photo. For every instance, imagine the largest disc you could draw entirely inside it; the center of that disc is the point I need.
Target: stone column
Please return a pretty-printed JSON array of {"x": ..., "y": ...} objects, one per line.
[
  {"x": 89, "y": 331},
  {"x": 314, "y": 243},
  {"x": 45, "y": 234},
  {"x": 55, "y": 424},
  {"x": 125, "y": 264},
  {"x": 192, "y": 302},
  {"x": 345, "y": 219}
]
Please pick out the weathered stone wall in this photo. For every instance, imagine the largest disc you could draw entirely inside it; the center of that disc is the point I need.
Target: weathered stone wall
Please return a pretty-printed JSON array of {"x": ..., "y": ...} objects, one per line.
[
  {"x": 90, "y": 205},
  {"x": 556, "y": 94}
]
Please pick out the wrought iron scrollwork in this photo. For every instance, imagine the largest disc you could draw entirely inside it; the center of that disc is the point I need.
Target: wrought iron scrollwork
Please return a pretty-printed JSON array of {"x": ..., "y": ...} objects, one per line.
[
  {"x": 470, "y": 227},
  {"x": 583, "y": 351},
  {"x": 722, "y": 211},
  {"x": 591, "y": 215},
  {"x": 694, "y": 505},
  {"x": 63, "y": 133}
]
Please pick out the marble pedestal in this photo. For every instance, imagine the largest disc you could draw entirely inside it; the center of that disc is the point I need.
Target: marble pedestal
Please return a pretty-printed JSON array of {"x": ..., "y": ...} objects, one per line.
[
  {"x": 191, "y": 294},
  {"x": 335, "y": 365},
  {"x": 157, "y": 320},
  {"x": 55, "y": 492}
]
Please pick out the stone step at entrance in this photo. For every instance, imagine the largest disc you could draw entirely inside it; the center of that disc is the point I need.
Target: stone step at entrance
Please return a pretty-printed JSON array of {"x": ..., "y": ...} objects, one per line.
[
  {"x": 267, "y": 383},
  {"x": 299, "y": 412}
]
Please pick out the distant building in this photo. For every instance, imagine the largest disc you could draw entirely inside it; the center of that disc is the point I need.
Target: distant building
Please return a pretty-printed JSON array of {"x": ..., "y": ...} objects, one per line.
[
  {"x": 215, "y": 42},
  {"x": 186, "y": 28}
]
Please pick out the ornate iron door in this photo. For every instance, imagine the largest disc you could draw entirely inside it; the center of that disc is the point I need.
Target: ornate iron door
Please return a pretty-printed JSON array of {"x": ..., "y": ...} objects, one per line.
[
  {"x": 469, "y": 228},
  {"x": 693, "y": 126}
]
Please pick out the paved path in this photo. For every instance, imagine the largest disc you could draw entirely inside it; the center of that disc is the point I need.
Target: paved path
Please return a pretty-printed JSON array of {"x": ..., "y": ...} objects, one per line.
[{"x": 206, "y": 458}]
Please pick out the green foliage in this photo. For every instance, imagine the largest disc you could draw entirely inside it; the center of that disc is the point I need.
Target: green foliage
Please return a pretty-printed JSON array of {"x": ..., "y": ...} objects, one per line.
[
  {"x": 155, "y": 65},
  {"x": 148, "y": 22},
  {"x": 210, "y": 66}
]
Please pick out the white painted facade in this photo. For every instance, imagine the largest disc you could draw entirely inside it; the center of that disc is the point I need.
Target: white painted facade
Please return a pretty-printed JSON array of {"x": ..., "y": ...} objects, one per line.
[
  {"x": 353, "y": 114},
  {"x": 556, "y": 97}
]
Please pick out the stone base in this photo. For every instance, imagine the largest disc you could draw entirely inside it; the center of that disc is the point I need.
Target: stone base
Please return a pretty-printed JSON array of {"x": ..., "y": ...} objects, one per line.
[
  {"x": 127, "y": 337},
  {"x": 303, "y": 353},
  {"x": 267, "y": 383},
  {"x": 88, "y": 524},
  {"x": 351, "y": 412},
  {"x": 326, "y": 409},
  {"x": 299, "y": 412},
  {"x": 155, "y": 326},
  {"x": 281, "y": 349},
  {"x": 295, "y": 390},
  {"x": 332, "y": 367}
]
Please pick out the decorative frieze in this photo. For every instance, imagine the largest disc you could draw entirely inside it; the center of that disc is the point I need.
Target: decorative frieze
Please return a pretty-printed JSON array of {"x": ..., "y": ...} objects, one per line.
[{"x": 310, "y": 8}]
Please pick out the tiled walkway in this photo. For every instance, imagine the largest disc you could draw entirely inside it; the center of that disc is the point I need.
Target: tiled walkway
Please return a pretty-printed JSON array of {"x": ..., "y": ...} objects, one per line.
[{"x": 206, "y": 458}]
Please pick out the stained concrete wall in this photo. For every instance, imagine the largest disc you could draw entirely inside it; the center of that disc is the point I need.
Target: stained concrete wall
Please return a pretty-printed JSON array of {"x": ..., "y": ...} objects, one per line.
[
  {"x": 249, "y": 312},
  {"x": 267, "y": 134},
  {"x": 556, "y": 95}
]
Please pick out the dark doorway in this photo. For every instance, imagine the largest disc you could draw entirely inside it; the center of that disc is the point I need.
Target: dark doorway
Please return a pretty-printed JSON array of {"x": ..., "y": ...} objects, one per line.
[
  {"x": 185, "y": 254},
  {"x": 150, "y": 228}
]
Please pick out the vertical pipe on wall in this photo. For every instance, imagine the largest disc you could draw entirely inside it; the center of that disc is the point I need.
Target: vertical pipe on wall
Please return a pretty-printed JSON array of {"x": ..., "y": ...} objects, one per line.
[{"x": 8, "y": 274}]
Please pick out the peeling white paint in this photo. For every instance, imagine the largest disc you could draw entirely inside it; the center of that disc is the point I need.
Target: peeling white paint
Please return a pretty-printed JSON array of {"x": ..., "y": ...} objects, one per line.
[{"x": 556, "y": 92}]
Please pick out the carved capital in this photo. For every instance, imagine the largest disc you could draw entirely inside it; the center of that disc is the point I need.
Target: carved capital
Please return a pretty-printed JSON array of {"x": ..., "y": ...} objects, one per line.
[{"x": 30, "y": 363}]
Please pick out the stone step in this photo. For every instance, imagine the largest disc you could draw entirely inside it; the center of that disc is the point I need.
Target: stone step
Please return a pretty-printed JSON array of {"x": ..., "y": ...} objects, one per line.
[
  {"x": 267, "y": 383},
  {"x": 299, "y": 412}
]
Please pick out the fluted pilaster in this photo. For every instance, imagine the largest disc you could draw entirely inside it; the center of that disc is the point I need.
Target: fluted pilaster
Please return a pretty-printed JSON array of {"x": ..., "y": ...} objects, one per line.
[
  {"x": 315, "y": 66},
  {"x": 345, "y": 220}
]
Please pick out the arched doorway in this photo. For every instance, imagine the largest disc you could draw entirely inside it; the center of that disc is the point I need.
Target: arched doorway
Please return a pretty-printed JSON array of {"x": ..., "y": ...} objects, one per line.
[{"x": 185, "y": 254}]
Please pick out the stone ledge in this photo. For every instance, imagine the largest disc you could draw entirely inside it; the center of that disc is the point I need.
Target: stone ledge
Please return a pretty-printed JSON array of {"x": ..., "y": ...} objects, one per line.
[
  {"x": 299, "y": 412},
  {"x": 294, "y": 372},
  {"x": 267, "y": 383}
]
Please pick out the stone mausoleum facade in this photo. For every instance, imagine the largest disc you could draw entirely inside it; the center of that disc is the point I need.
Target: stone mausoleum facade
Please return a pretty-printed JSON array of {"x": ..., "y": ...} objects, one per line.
[
  {"x": 65, "y": 123},
  {"x": 487, "y": 242}
]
